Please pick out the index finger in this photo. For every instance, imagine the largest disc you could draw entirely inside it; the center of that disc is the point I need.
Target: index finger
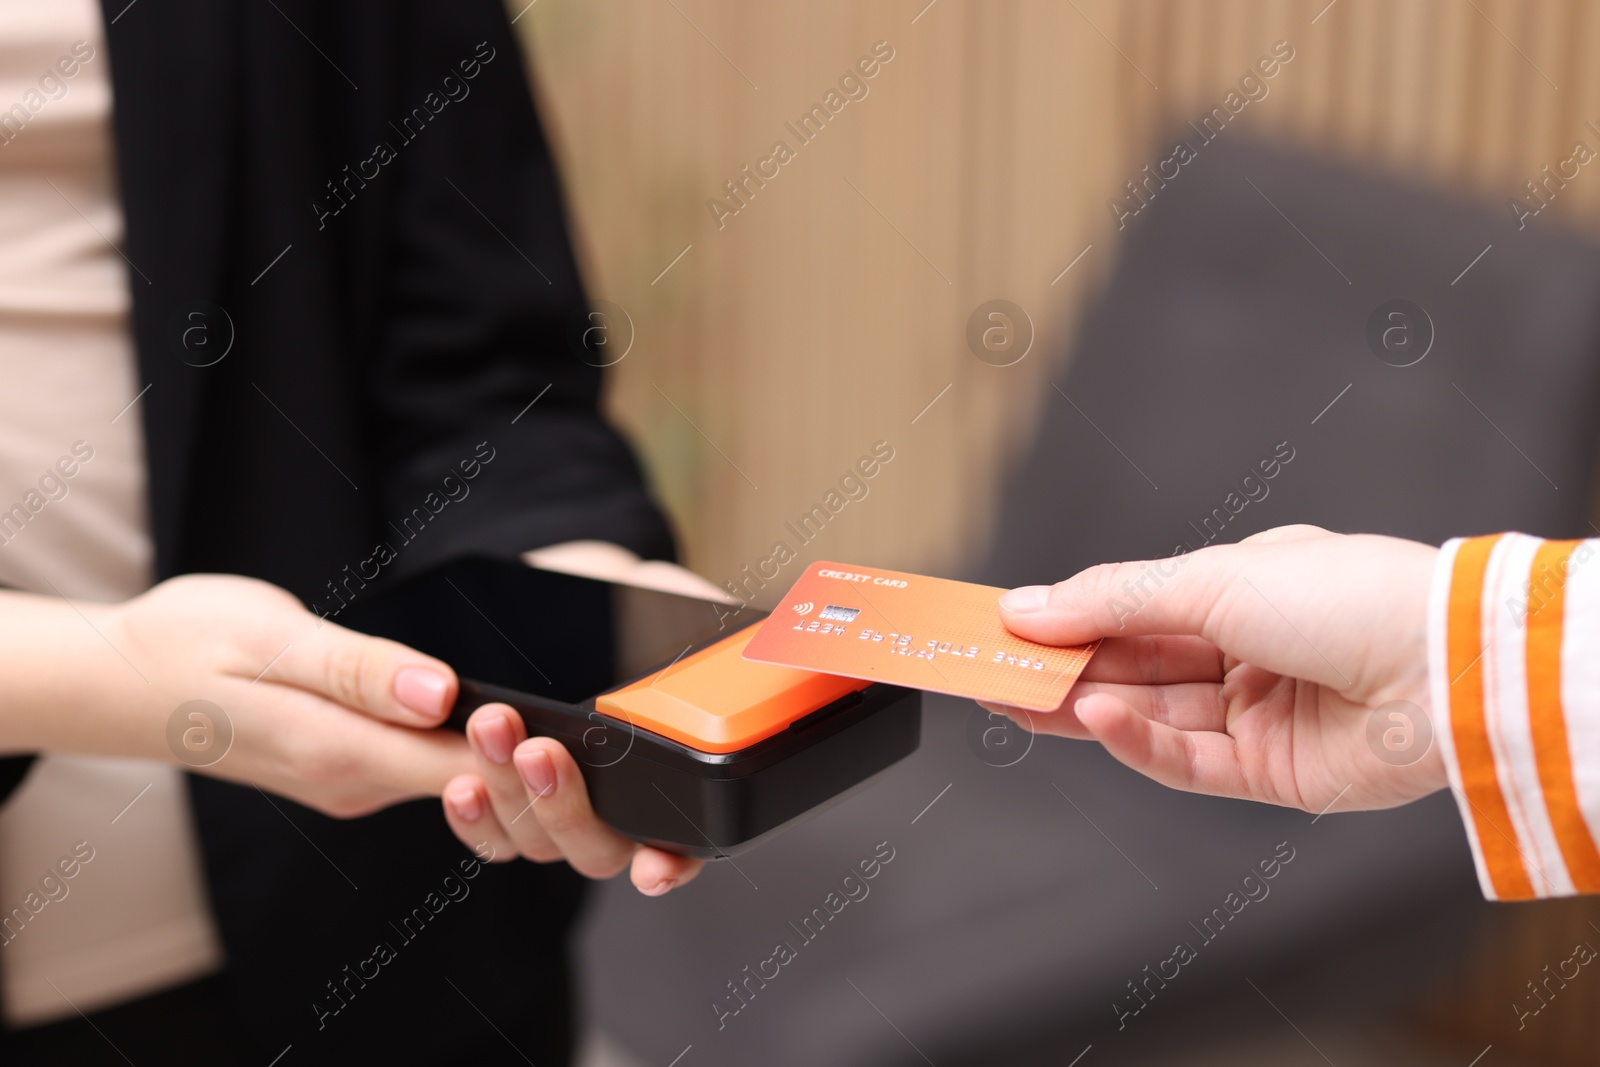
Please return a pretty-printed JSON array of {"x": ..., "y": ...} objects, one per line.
[
  {"x": 563, "y": 810},
  {"x": 593, "y": 848},
  {"x": 1156, "y": 659}
]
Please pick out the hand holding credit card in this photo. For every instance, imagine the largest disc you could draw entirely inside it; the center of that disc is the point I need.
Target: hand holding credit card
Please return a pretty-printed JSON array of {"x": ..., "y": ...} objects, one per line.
[{"x": 911, "y": 630}]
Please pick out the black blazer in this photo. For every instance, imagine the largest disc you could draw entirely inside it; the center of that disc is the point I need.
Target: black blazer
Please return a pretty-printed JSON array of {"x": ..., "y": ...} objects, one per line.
[{"x": 355, "y": 201}]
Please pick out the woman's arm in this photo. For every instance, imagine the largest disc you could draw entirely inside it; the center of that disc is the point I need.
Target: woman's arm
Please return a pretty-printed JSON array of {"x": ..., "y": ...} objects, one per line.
[
  {"x": 1318, "y": 670},
  {"x": 334, "y": 719}
]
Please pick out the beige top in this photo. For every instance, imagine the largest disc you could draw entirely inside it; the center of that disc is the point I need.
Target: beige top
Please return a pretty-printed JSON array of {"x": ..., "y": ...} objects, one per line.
[{"x": 132, "y": 918}]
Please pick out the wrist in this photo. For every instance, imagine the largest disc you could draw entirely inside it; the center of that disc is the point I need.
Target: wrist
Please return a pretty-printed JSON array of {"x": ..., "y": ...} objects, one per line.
[{"x": 69, "y": 679}]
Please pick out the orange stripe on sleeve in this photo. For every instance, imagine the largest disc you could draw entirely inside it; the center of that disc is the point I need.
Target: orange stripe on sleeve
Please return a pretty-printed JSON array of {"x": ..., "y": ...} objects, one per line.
[
  {"x": 1547, "y": 609},
  {"x": 1468, "y": 727}
]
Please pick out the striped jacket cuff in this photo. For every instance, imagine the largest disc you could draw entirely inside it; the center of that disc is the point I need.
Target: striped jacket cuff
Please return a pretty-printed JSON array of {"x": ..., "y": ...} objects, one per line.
[{"x": 1514, "y": 665}]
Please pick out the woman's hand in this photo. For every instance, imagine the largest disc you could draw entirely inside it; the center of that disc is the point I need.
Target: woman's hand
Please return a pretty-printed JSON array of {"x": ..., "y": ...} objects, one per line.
[
  {"x": 343, "y": 722},
  {"x": 337, "y": 720},
  {"x": 526, "y": 797},
  {"x": 1249, "y": 670}
]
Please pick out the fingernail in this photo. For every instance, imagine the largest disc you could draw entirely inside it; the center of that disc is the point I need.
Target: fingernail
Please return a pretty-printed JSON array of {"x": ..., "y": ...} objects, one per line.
[
  {"x": 493, "y": 734},
  {"x": 1025, "y": 599},
  {"x": 422, "y": 691},
  {"x": 538, "y": 773},
  {"x": 660, "y": 888},
  {"x": 465, "y": 804}
]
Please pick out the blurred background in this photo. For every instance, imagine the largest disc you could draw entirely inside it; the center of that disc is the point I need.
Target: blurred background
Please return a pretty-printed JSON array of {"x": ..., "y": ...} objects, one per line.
[
  {"x": 980, "y": 165},
  {"x": 1171, "y": 316}
]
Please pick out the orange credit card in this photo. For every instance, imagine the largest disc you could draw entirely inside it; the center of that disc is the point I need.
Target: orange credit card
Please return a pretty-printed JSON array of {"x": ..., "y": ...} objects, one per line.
[{"x": 913, "y": 631}]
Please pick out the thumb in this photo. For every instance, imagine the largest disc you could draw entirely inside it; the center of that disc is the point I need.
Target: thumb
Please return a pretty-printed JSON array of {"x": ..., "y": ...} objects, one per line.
[
  {"x": 1176, "y": 595},
  {"x": 382, "y": 678}
]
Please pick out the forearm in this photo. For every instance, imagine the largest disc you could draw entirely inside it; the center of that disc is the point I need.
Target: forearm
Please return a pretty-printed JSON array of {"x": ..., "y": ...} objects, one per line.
[
  {"x": 66, "y": 686},
  {"x": 1514, "y": 655}
]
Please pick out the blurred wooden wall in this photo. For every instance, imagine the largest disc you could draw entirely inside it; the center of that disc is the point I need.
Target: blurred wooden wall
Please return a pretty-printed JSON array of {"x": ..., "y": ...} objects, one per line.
[{"x": 833, "y": 308}]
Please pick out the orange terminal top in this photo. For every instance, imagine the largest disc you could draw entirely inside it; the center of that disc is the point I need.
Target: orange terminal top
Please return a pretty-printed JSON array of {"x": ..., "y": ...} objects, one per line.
[{"x": 718, "y": 701}]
